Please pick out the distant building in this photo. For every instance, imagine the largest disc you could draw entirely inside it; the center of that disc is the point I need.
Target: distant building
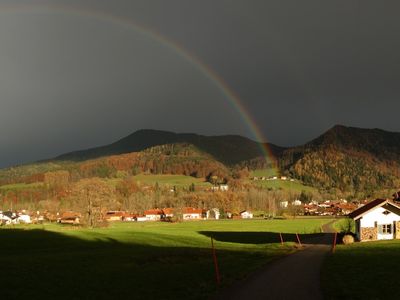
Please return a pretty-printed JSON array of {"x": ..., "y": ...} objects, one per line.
[
  {"x": 168, "y": 212},
  {"x": 246, "y": 214},
  {"x": 115, "y": 215},
  {"x": 213, "y": 214},
  {"x": 296, "y": 202},
  {"x": 190, "y": 213},
  {"x": 153, "y": 214},
  {"x": 69, "y": 217},
  {"x": 284, "y": 204},
  {"x": 222, "y": 187}
]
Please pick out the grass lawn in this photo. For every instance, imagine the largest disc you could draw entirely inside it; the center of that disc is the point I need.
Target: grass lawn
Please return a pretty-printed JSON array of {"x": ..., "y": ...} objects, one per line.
[
  {"x": 171, "y": 180},
  {"x": 21, "y": 186},
  {"x": 284, "y": 185},
  {"x": 363, "y": 271},
  {"x": 264, "y": 173},
  {"x": 138, "y": 260}
]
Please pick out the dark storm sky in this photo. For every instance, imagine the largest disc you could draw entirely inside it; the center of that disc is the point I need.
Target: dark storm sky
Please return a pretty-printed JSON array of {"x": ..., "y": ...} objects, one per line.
[{"x": 71, "y": 81}]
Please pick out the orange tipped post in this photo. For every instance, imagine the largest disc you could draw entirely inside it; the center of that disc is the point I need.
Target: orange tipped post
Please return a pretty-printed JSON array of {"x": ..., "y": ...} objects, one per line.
[
  {"x": 334, "y": 242},
  {"x": 214, "y": 254},
  {"x": 298, "y": 240},
  {"x": 280, "y": 235}
]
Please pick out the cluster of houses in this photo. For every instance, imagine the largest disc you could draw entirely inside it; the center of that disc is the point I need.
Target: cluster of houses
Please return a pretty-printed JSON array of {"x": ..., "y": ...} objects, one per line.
[
  {"x": 9, "y": 217},
  {"x": 74, "y": 218},
  {"x": 327, "y": 208},
  {"x": 166, "y": 214},
  {"x": 263, "y": 178}
]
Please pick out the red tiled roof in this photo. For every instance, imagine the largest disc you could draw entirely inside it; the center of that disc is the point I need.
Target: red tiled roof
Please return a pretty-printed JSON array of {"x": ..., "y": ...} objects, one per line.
[
  {"x": 168, "y": 211},
  {"x": 192, "y": 210},
  {"x": 116, "y": 213},
  {"x": 70, "y": 214},
  {"x": 153, "y": 212}
]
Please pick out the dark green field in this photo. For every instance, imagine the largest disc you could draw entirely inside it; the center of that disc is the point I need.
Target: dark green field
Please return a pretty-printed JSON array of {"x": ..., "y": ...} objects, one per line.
[
  {"x": 138, "y": 260},
  {"x": 363, "y": 271}
]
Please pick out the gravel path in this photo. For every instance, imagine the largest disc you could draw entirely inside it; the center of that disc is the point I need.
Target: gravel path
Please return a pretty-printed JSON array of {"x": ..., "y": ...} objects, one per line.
[{"x": 296, "y": 276}]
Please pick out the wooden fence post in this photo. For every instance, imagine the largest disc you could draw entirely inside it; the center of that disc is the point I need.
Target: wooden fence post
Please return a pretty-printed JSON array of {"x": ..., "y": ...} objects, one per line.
[
  {"x": 298, "y": 240},
  {"x": 214, "y": 254},
  {"x": 280, "y": 235},
  {"x": 334, "y": 242}
]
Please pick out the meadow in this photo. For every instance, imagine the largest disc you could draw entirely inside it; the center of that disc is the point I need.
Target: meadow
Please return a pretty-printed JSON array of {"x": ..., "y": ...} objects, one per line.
[
  {"x": 363, "y": 271},
  {"x": 139, "y": 260},
  {"x": 295, "y": 186},
  {"x": 170, "y": 180}
]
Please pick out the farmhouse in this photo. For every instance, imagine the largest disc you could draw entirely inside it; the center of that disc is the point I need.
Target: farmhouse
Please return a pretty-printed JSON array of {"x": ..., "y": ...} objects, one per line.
[
  {"x": 246, "y": 214},
  {"x": 115, "y": 215},
  {"x": 213, "y": 213},
  {"x": 168, "y": 212},
  {"x": 154, "y": 214},
  {"x": 69, "y": 217},
  {"x": 190, "y": 213},
  {"x": 377, "y": 220}
]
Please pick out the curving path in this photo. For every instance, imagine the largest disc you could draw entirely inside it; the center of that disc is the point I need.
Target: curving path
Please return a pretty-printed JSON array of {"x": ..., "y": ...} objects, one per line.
[{"x": 296, "y": 276}]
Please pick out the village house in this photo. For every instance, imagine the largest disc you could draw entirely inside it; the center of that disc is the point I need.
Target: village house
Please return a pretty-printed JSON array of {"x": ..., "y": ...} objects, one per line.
[
  {"x": 168, "y": 212},
  {"x": 246, "y": 214},
  {"x": 190, "y": 213},
  {"x": 213, "y": 213},
  {"x": 69, "y": 217},
  {"x": 154, "y": 214},
  {"x": 115, "y": 215},
  {"x": 377, "y": 220},
  {"x": 221, "y": 187}
]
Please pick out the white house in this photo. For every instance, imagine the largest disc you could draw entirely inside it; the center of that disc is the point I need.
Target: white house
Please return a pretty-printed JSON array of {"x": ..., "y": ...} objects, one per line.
[
  {"x": 153, "y": 214},
  {"x": 377, "y": 220},
  {"x": 190, "y": 213},
  {"x": 213, "y": 214},
  {"x": 296, "y": 202},
  {"x": 284, "y": 204},
  {"x": 221, "y": 187},
  {"x": 24, "y": 218},
  {"x": 246, "y": 214}
]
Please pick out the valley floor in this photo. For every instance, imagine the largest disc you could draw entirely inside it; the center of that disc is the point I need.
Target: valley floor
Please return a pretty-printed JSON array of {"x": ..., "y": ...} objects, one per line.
[{"x": 137, "y": 260}]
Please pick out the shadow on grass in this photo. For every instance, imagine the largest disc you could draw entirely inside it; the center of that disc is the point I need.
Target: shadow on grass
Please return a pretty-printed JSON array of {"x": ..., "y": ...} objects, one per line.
[
  {"x": 51, "y": 265},
  {"x": 256, "y": 237}
]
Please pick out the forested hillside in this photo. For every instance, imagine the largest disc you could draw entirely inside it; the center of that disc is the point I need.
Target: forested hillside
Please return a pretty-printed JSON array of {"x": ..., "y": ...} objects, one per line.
[
  {"x": 342, "y": 161},
  {"x": 348, "y": 159}
]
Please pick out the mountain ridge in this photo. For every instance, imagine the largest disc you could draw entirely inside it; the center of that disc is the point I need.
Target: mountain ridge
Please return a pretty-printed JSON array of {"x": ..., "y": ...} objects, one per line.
[
  {"x": 347, "y": 159},
  {"x": 229, "y": 149}
]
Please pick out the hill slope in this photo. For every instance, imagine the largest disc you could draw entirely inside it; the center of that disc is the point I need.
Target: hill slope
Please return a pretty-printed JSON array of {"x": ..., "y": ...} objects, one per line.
[
  {"x": 348, "y": 159},
  {"x": 228, "y": 149}
]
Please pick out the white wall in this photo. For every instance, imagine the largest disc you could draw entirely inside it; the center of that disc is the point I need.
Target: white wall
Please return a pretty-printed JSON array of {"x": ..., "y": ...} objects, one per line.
[
  {"x": 377, "y": 215},
  {"x": 191, "y": 216},
  {"x": 369, "y": 219}
]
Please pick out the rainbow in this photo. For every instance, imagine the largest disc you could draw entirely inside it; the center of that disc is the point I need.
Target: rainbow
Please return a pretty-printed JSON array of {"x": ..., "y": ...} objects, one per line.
[{"x": 207, "y": 71}]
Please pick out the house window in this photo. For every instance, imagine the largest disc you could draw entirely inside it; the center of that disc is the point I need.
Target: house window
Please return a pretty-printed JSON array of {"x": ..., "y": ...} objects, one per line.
[{"x": 385, "y": 229}]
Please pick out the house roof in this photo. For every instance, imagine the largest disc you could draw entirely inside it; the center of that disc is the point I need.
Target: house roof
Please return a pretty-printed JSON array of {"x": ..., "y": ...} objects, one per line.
[
  {"x": 192, "y": 210},
  {"x": 153, "y": 212},
  {"x": 358, "y": 213},
  {"x": 70, "y": 215},
  {"x": 116, "y": 213},
  {"x": 168, "y": 211}
]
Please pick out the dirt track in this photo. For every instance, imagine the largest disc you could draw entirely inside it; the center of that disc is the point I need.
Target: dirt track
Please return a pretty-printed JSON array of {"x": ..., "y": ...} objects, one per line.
[{"x": 296, "y": 276}]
